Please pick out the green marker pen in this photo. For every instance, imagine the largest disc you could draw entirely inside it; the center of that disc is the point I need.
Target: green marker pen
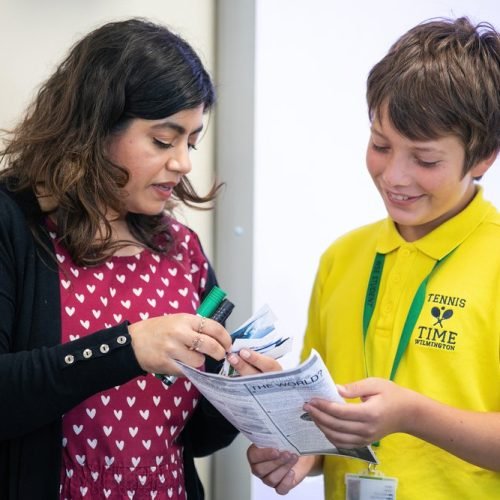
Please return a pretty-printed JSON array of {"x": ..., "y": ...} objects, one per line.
[
  {"x": 206, "y": 309},
  {"x": 211, "y": 302}
]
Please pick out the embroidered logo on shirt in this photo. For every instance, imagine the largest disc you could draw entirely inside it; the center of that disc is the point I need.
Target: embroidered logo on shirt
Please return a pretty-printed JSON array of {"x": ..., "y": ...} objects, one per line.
[
  {"x": 441, "y": 314},
  {"x": 437, "y": 334}
]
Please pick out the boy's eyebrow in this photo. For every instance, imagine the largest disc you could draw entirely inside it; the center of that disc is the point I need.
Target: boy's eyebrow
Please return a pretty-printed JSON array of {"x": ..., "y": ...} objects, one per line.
[
  {"x": 176, "y": 127},
  {"x": 420, "y": 149},
  {"x": 428, "y": 149},
  {"x": 375, "y": 131}
]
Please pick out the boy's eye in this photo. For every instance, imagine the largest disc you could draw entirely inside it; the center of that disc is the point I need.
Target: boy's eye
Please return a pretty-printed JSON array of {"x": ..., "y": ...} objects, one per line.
[
  {"x": 426, "y": 164},
  {"x": 161, "y": 144},
  {"x": 380, "y": 149}
]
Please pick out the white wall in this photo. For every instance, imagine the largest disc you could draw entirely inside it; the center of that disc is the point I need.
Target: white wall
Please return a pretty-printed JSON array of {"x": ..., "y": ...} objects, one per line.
[{"x": 304, "y": 158}]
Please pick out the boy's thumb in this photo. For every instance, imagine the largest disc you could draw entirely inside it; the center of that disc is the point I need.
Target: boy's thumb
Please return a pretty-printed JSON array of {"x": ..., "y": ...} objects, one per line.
[{"x": 358, "y": 389}]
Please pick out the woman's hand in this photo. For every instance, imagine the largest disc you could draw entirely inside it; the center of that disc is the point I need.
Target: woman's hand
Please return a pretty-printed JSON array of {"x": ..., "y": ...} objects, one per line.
[
  {"x": 281, "y": 470},
  {"x": 385, "y": 408},
  {"x": 248, "y": 362},
  {"x": 157, "y": 342}
]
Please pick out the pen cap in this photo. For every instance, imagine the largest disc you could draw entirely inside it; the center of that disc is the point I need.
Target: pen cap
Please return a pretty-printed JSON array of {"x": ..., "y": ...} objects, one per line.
[
  {"x": 223, "y": 311},
  {"x": 211, "y": 302}
]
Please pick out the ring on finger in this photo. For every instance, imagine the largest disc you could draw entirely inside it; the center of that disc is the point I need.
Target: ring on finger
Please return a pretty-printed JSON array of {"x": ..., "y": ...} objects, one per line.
[
  {"x": 202, "y": 324},
  {"x": 196, "y": 343}
]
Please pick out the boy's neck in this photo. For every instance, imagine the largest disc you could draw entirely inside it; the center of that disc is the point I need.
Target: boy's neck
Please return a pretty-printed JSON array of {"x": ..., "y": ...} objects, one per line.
[{"x": 414, "y": 233}]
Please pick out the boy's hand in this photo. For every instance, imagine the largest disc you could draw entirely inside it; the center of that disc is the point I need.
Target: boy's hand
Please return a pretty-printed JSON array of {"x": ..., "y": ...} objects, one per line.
[
  {"x": 385, "y": 408},
  {"x": 279, "y": 470}
]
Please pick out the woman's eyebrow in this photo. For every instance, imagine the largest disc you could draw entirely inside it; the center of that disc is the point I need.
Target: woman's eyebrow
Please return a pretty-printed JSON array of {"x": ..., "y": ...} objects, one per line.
[{"x": 176, "y": 127}]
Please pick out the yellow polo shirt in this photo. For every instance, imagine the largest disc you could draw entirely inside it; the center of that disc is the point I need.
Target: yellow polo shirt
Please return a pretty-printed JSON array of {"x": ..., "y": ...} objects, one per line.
[{"x": 453, "y": 353}]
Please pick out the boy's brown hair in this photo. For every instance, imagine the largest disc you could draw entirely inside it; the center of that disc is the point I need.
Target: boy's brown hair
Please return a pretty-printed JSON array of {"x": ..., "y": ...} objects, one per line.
[{"x": 442, "y": 77}]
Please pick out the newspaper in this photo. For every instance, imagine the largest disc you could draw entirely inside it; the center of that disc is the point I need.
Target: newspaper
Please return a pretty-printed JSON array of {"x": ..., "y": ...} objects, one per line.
[{"x": 268, "y": 408}]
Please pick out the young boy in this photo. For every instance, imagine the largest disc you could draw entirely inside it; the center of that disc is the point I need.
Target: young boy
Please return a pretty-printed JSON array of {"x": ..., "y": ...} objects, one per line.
[{"x": 406, "y": 311}]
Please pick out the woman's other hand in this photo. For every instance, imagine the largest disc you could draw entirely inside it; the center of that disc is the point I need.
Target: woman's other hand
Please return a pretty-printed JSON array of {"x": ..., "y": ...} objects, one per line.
[{"x": 248, "y": 362}]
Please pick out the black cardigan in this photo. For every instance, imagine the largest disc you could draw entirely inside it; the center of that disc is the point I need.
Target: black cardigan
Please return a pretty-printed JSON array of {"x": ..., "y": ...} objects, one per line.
[{"x": 36, "y": 385}]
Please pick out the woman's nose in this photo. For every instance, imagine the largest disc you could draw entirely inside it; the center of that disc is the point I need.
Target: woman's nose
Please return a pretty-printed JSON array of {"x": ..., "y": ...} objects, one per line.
[{"x": 179, "y": 160}]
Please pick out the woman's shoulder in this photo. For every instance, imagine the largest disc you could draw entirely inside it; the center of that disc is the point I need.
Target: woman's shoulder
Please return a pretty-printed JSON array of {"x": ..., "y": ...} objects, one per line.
[
  {"x": 13, "y": 206},
  {"x": 186, "y": 242},
  {"x": 178, "y": 228},
  {"x": 181, "y": 234},
  {"x": 6, "y": 196}
]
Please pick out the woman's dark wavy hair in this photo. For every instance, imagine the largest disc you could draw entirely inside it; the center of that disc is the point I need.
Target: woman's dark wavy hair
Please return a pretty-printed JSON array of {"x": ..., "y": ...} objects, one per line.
[
  {"x": 121, "y": 71},
  {"x": 443, "y": 77}
]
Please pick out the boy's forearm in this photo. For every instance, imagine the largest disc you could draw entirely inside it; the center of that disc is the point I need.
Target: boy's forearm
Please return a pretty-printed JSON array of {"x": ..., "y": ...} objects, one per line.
[
  {"x": 471, "y": 436},
  {"x": 307, "y": 465},
  {"x": 316, "y": 466}
]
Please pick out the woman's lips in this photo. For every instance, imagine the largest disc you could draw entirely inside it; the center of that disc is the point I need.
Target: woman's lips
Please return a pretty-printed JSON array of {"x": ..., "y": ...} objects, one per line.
[{"x": 164, "y": 190}]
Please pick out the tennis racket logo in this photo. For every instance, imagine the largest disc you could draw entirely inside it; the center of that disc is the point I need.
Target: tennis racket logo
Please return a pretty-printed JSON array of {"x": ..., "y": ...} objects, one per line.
[{"x": 441, "y": 314}]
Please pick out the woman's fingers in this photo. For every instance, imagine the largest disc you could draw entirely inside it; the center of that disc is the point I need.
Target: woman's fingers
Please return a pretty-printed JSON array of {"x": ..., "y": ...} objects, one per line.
[
  {"x": 157, "y": 342},
  {"x": 248, "y": 362},
  {"x": 209, "y": 337}
]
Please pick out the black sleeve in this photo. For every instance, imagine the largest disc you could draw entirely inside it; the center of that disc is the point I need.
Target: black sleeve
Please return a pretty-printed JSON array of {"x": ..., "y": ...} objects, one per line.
[
  {"x": 40, "y": 378},
  {"x": 38, "y": 386}
]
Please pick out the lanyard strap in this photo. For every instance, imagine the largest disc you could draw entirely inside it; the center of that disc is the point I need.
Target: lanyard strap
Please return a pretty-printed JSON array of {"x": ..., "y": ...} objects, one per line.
[{"x": 413, "y": 313}]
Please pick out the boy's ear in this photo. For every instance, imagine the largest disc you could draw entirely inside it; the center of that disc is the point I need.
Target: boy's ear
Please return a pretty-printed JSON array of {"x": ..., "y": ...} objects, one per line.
[{"x": 482, "y": 166}]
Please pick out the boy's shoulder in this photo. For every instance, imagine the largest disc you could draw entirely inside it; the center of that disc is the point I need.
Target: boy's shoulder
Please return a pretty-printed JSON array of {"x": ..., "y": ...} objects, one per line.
[
  {"x": 490, "y": 224},
  {"x": 359, "y": 238},
  {"x": 484, "y": 214}
]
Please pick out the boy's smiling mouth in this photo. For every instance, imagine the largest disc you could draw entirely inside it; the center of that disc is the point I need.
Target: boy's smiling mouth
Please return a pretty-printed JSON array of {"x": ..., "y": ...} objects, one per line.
[{"x": 398, "y": 197}]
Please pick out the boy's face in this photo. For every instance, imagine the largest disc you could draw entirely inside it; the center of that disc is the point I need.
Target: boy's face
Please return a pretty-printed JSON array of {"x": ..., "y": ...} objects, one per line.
[{"x": 422, "y": 183}]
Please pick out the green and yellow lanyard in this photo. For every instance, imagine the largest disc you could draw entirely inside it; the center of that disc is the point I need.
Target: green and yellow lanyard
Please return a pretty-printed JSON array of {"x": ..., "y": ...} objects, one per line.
[{"x": 413, "y": 313}]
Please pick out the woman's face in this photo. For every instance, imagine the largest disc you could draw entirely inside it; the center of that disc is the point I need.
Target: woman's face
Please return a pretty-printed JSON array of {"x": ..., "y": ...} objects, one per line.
[{"x": 155, "y": 154}]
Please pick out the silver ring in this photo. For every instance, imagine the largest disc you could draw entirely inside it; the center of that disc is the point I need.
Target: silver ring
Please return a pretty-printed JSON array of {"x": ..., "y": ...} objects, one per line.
[
  {"x": 196, "y": 343},
  {"x": 202, "y": 324}
]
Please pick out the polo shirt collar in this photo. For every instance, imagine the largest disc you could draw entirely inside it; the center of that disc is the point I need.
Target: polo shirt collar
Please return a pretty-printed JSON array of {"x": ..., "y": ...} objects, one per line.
[{"x": 445, "y": 238}]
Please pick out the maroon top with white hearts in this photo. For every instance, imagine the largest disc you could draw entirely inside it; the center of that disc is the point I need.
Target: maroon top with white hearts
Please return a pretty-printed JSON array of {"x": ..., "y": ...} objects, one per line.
[{"x": 121, "y": 443}]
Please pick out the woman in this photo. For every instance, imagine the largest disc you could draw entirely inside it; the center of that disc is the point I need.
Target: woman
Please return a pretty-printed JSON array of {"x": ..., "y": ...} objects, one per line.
[{"x": 100, "y": 284}]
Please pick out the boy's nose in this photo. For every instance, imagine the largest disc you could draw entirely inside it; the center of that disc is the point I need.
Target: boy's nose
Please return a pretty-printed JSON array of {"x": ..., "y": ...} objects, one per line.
[{"x": 396, "y": 171}]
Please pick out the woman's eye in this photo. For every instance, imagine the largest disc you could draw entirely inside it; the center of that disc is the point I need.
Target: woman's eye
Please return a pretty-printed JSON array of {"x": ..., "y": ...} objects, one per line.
[
  {"x": 192, "y": 147},
  {"x": 161, "y": 144}
]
